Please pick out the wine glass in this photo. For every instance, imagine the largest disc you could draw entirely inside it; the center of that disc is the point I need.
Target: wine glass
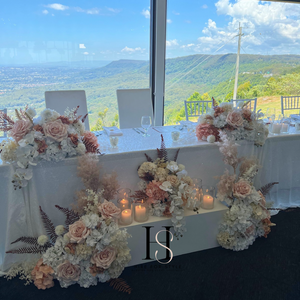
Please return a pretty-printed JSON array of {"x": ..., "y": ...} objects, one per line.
[{"x": 146, "y": 123}]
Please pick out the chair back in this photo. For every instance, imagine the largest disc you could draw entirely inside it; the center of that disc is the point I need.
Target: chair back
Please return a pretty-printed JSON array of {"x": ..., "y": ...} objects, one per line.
[
  {"x": 196, "y": 108},
  {"x": 132, "y": 105},
  {"x": 60, "y": 100},
  {"x": 290, "y": 103},
  {"x": 251, "y": 105},
  {"x": 3, "y": 133}
]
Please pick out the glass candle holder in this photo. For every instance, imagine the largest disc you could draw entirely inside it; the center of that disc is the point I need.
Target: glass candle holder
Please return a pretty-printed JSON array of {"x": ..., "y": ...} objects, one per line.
[
  {"x": 297, "y": 127},
  {"x": 175, "y": 136},
  {"x": 207, "y": 197},
  {"x": 114, "y": 141},
  {"x": 276, "y": 128},
  {"x": 126, "y": 216},
  {"x": 193, "y": 202},
  {"x": 141, "y": 212},
  {"x": 124, "y": 200},
  {"x": 285, "y": 125}
]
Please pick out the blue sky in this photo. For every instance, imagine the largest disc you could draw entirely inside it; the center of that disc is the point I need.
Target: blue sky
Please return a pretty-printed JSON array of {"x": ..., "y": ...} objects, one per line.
[{"x": 38, "y": 31}]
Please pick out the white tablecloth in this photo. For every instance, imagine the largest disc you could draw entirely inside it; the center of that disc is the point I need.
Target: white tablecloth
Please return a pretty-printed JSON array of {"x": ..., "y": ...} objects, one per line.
[{"x": 56, "y": 183}]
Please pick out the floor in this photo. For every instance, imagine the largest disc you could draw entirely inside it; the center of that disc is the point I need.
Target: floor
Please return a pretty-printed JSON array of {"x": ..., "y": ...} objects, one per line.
[{"x": 269, "y": 269}]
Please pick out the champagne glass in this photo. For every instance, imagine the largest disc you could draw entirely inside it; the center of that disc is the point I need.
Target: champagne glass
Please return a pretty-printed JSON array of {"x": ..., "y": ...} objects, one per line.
[{"x": 146, "y": 123}]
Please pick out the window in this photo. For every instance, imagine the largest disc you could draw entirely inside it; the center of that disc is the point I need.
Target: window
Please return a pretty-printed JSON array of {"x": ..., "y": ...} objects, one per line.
[
  {"x": 201, "y": 53},
  {"x": 73, "y": 45}
]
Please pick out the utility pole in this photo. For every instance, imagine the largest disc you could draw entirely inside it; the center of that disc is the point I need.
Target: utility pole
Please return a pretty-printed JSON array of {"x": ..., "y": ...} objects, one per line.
[{"x": 237, "y": 63}]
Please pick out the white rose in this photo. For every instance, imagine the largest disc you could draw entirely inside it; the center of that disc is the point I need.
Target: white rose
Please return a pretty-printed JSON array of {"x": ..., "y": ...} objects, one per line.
[
  {"x": 42, "y": 240},
  {"x": 211, "y": 138},
  {"x": 48, "y": 115},
  {"x": 31, "y": 112},
  {"x": 172, "y": 166},
  {"x": 59, "y": 230},
  {"x": 181, "y": 174},
  {"x": 166, "y": 186},
  {"x": 80, "y": 149}
]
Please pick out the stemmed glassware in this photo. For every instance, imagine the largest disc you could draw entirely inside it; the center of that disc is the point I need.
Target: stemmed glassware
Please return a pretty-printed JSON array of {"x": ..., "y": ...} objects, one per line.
[{"x": 146, "y": 124}]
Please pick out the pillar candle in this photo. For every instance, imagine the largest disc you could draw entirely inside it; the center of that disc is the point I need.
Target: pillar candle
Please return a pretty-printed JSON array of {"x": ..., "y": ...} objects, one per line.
[
  {"x": 124, "y": 204},
  {"x": 276, "y": 128},
  {"x": 140, "y": 213},
  {"x": 126, "y": 217},
  {"x": 208, "y": 202}
]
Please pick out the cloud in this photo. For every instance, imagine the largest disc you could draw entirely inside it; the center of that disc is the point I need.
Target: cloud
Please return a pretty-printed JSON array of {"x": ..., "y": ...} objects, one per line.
[
  {"x": 45, "y": 11},
  {"x": 81, "y": 46},
  {"x": 85, "y": 53},
  {"x": 113, "y": 10},
  {"x": 132, "y": 50},
  {"x": 92, "y": 11},
  {"x": 57, "y": 6},
  {"x": 146, "y": 13},
  {"x": 175, "y": 13},
  {"x": 187, "y": 46},
  {"x": 169, "y": 21},
  {"x": 188, "y": 21},
  {"x": 271, "y": 27},
  {"x": 204, "y": 6},
  {"x": 172, "y": 43}
]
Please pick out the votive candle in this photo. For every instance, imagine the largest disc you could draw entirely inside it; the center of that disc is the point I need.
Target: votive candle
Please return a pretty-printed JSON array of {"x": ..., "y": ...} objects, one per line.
[
  {"x": 124, "y": 204},
  {"x": 126, "y": 217},
  {"x": 276, "y": 128},
  {"x": 140, "y": 213},
  {"x": 285, "y": 128},
  {"x": 208, "y": 202}
]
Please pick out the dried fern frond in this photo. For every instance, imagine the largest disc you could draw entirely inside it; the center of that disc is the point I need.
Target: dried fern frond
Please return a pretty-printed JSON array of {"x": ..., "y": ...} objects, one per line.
[
  {"x": 50, "y": 229},
  {"x": 6, "y": 123},
  {"x": 71, "y": 216},
  {"x": 26, "y": 250},
  {"x": 266, "y": 188},
  {"x": 84, "y": 117},
  {"x": 176, "y": 155},
  {"x": 215, "y": 104},
  {"x": 162, "y": 152},
  {"x": 120, "y": 285},
  {"x": 149, "y": 159},
  {"x": 91, "y": 148},
  {"x": 28, "y": 240},
  {"x": 140, "y": 195}
]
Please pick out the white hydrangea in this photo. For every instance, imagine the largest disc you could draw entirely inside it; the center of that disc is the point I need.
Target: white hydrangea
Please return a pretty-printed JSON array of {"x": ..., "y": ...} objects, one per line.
[
  {"x": 81, "y": 149},
  {"x": 90, "y": 220}
]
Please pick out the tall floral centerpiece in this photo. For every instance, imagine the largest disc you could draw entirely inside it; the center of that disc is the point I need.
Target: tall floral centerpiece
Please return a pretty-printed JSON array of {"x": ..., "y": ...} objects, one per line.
[
  {"x": 248, "y": 216},
  {"x": 49, "y": 136},
  {"x": 238, "y": 123},
  {"x": 166, "y": 187},
  {"x": 90, "y": 247}
]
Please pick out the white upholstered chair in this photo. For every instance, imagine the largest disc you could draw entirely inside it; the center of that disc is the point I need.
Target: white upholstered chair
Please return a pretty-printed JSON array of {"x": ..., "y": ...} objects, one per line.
[
  {"x": 3, "y": 133},
  {"x": 290, "y": 103},
  {"x": 251, "y": 105},
  {"x": 132, "y": 105},
  {"x": 195, "y": 109},
  {"x": 60, "y": 100}
]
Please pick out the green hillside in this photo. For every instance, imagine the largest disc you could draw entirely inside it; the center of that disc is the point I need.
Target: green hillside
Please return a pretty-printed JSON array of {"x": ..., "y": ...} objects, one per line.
[{"x": 259, "y": 75}]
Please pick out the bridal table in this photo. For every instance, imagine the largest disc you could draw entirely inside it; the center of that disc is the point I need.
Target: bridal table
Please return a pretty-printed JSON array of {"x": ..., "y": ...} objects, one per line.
[{"x": 56, "y": 183}]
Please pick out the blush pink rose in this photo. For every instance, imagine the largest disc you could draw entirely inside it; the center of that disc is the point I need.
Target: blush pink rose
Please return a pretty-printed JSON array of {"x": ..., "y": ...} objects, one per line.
[
  {"x": 20, "y": 128},
  {"x": 56, "y": 130},
  {"x": 108, "y": 209},
  {"x": 242, "y": 189},
  {"x": 104, "y": 258},
  {"x": 78, "y": 232},
  {"x": 235, "y": 118},
  {"x": 67, "y": 272}
]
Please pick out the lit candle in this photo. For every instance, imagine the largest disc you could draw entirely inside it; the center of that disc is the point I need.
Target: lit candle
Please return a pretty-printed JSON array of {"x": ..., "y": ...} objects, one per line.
[
  {"x": 124, "y": 204},
  {"x": 140, "y": 213},
  {"x": 126, "y": 217},
  {"x": 276, "y": 128},
  {"x": 208, "y": 202}
]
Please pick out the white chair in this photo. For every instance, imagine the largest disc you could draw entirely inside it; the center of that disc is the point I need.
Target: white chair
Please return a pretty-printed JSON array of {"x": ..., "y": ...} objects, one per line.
[
  {"x": 60, "y": 100},
  {"x": 290, "y": 103},
  {"x": 251, "y": 105},
  {"x": 3, "y": 133},
  {"x": 196, "y": 108},
  {"x": 132, "y": 105}
]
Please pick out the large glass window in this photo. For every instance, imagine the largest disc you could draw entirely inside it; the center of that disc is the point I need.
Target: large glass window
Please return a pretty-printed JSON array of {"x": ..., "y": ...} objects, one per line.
[
  {"x": 201, "y": 52},
  {"x": 90, "y": 45}
]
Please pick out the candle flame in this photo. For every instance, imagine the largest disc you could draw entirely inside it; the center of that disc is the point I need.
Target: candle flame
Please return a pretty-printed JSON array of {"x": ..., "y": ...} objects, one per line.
[
  {"x": 140, "y": 206},
  {"x": 126, "y": 211}
]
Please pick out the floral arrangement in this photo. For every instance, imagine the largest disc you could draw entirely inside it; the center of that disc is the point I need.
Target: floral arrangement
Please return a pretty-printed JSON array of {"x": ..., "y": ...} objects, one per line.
[
  {"x": 90, "y": 248},
  {"x": 238, "y": 123},
  {"x": 49, "y": 136},
  {"x": 166, "y": 187},
  {"x": 248, "y": 216}
]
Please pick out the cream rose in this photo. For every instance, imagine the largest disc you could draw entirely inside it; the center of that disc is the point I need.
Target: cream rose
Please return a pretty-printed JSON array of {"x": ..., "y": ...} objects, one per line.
[
  {"x": 78, "y": 232},
  {"x": 20, "y": 129},
  {"x": 235, "y": 119},
  {"x": 67, "y": 272},
  {"x": 242, "y": 189},
  {"x": 104, "y": 258},
  {"x": 56, "y": 130},
  {"x": 108, "y": 209}
]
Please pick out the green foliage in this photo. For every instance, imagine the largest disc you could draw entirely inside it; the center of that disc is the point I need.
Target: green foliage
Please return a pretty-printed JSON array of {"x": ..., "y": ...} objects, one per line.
[{"x": 102, "y": 121}]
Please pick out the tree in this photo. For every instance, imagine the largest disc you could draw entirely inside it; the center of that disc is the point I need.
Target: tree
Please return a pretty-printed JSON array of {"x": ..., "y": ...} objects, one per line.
[{"x": 102, "y": 121}]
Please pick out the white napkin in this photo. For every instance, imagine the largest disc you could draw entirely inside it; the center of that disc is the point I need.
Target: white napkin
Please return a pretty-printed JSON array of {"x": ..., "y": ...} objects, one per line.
[{"x": 113, "y": 131}]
